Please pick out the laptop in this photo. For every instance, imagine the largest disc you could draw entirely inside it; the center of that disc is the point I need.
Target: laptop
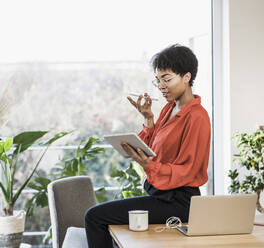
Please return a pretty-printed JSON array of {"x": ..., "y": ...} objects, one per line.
[{"x": 220, "y": 214}]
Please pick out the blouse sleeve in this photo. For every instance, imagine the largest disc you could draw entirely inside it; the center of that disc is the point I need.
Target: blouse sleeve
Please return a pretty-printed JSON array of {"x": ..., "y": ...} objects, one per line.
[
  {"x": 146, "y": 134},
  {"x": 191, "y": 162}
]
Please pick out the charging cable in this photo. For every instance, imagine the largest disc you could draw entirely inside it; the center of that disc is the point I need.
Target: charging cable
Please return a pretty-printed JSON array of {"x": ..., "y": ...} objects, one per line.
[{"x": 172, "y": 222}]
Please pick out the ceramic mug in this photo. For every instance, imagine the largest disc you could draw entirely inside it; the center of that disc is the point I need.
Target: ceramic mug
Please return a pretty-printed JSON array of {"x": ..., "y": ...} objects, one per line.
[{"x": 138, "y": 220}]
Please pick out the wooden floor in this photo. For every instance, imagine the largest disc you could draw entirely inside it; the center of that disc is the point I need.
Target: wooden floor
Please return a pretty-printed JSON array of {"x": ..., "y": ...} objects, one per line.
[{"x": 172, "y": 238}]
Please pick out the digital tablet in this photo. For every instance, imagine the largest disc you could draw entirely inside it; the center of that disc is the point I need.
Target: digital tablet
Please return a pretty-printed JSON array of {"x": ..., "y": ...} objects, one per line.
[{"x": 130, "y": 138}]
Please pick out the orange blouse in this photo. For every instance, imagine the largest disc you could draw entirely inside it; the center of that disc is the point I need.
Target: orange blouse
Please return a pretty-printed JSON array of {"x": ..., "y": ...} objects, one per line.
[{"x": 182, "y": 145}]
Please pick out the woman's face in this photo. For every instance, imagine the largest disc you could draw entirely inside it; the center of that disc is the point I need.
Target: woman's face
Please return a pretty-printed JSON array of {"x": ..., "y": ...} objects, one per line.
[{"x": 172, "y": 85}]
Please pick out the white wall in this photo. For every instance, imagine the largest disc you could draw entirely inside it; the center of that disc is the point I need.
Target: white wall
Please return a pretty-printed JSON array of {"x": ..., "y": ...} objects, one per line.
[
  {"x": 238, "y": 49},
  {"x": 246, "y": 47},
  {"x": 246, "y": 64}
]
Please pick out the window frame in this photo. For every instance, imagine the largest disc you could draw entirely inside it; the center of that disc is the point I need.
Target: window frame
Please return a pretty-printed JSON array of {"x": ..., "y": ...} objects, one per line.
[{"x": 221, "y": 96}]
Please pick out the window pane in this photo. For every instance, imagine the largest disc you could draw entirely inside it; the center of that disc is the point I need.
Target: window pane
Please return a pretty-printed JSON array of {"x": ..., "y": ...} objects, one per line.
[
  {"x": 74, "y": 73},
  {"x": 88, "y": 97}
]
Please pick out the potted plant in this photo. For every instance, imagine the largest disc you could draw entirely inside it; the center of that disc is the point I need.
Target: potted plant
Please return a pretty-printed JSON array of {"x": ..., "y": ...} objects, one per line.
[
  {"x": 249, "y": 176},
  {"x": 12, "y": 224}
]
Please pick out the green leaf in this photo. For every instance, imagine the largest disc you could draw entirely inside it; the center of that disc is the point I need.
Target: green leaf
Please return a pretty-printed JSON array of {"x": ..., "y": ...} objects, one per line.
[
  {"x": 117, "y": 173},
  {"x": 82, "y": 168},
  {"x": 8, "y": 144},
  {"x": 97, "y": 150},
  {"x": 42, "y": 199},
  {"x": 30, "y": 205},
  {"x": 27, "y": 139},
  {"x": 100, "y": 194},
  {"x": 132, "y": 172},
  {"x": 75, "y": 166},
  {"x": 43, "y": 181},
  {"x": 127, "y": 194},
  {"x": 48, "y": 236},
  {"x": 80, "y": 152},
  {"x": 57, "y": 136},
  {"x": 1, "y": 147},
  {"x": 5, "y": 194},
  {"x": 6, "y": 159},
  {"x": 86, "y": 152},
  {"x": 34, "y": 186},
  {"x": 90, "y": 142},
  {"x": 28, "y": 179},
  {"x": 39, "y": 199}
]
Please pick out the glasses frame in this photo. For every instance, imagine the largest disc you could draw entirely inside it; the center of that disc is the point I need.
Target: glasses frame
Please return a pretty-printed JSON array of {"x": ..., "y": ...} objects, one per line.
[{"x": 156, "y": 82}]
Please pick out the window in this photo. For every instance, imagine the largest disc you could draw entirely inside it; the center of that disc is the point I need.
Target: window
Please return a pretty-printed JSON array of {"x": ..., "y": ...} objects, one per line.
[{"x": 69, "y": 65}]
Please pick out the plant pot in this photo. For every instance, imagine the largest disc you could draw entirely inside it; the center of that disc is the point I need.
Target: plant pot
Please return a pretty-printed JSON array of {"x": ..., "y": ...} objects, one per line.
[{"x": 11, "y": 229}]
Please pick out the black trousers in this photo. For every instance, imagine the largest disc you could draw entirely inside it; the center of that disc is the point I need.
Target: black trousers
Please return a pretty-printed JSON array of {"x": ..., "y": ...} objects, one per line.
[{"x": 98, "y": 218}]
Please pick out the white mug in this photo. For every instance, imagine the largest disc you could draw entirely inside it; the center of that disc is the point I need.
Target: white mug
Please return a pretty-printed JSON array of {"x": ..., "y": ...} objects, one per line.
[{"x": 138, "y": 220}]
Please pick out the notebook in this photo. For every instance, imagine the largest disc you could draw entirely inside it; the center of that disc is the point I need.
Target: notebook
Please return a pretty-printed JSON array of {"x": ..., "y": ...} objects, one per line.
[{"x": 220, "y": 215}]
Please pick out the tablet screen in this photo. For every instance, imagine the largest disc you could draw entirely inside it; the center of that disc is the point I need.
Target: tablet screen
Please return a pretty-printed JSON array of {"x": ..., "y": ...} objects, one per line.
[{"x": 130, "y": 138}]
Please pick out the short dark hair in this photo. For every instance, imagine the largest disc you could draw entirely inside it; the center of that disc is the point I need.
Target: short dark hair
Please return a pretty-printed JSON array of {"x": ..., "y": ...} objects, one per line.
[{"x": 180, "y": 59}]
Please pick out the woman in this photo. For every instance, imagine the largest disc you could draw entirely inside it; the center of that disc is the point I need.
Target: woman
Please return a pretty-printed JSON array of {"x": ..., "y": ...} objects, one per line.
[{"x": 180, "y": 138}]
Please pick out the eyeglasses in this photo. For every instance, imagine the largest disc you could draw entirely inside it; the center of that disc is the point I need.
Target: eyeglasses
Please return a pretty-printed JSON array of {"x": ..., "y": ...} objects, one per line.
[{"x": 156, "y": 82}]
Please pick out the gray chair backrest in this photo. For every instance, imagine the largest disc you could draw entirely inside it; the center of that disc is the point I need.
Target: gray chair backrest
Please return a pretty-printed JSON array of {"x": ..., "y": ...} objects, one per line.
[{"x": 69, "y": 199}]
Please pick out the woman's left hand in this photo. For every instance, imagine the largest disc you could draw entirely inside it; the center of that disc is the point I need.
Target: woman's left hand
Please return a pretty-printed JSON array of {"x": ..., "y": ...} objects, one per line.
[{"x": 139, "y": 156}]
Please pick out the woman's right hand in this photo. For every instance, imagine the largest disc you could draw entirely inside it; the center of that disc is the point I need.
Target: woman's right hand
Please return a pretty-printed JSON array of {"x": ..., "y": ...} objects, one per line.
[{"x": 144, "y": 109}]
